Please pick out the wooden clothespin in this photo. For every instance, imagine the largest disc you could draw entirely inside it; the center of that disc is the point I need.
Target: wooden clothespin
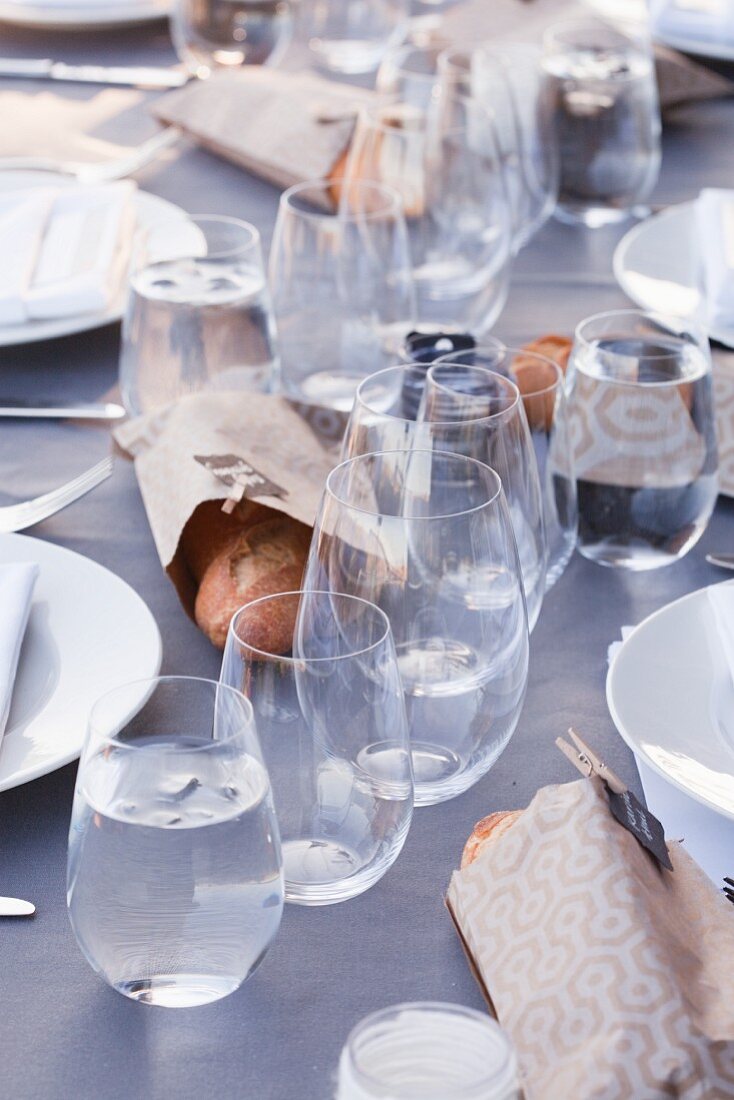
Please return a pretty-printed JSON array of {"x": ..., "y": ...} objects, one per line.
[{"x": 588, "y": 763}]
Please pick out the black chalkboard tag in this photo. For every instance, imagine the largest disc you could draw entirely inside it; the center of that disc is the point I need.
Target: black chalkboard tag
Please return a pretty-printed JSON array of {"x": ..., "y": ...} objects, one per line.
[{"x": 644, "y": 826}]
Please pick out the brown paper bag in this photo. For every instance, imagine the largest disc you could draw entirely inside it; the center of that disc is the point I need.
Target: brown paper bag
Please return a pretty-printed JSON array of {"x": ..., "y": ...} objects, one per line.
[{"x": 611, "y": 975}]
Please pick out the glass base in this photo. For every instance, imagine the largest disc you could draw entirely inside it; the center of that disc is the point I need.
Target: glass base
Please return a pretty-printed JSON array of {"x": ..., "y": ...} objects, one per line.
[
  {"x": 331, "y": 391},
  {"x": 593, "y": 217},
  {"x": 179, "y": 990},
  {"x": 323, "y": 872},
  {"x": 635, "y": 557},
  {"x": 441, "y": 775}
]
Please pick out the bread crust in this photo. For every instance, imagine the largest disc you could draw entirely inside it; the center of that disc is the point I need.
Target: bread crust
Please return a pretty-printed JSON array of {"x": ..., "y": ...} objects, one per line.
[{"x": 489, "y": 829}]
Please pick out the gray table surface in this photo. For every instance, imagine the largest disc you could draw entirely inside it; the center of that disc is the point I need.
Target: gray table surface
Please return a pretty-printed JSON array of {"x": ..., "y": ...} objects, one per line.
[{"x": 63, "y": 1033}]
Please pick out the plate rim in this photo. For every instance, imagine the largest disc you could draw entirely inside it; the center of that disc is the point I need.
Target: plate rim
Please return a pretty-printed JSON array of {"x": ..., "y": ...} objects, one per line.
[
  {"x": 19, "y": 779},
  {"x": 38, "y": 15},
  {"x": 621, "y": 728}
]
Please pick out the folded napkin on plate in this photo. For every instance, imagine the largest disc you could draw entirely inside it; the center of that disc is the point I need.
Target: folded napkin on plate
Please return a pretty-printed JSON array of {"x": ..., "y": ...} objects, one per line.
[
  {"x": 17, "y": 581},
  {"x": 699, "y": 20},
  {"x": 70, "y": 247},
  {"x": 715, "y": 225}
]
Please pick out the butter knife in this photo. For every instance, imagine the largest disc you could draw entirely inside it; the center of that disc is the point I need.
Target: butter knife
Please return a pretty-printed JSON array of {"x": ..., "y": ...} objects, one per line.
[
  {"x": 14, "y": 907},
  {"x": 136, "y": 76},
  {"x": 60, "y": 410}
]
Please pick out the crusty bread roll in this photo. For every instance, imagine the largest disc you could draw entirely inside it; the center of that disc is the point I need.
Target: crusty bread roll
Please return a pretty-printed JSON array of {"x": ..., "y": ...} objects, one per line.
[
  {"x": 485, "y": 831},
  {"x": 557, "y": 348},
  {"x": 210, "y": 528},
  {"x": 533, "y": 377}
]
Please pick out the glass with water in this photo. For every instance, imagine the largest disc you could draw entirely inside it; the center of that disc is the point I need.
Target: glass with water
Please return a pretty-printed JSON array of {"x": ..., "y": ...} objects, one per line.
[
  {"x": 199, "y": 315},
  {"x": 224, "y": 34},
  {"x": 175, "y": 887}
]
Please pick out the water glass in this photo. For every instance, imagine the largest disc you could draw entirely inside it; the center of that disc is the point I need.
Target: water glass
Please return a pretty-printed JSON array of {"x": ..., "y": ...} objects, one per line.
[
  {"x": 198, "y": 316},
  {"x": 444, "y": 164},
  {"x": 643, "y": 435},
  {"x": 332, "y": 723},
  {"x": 342, "y": 287},
  {"x": 542, "y": 386},
  {"x": 600, "y": 91},
  {"x": 427, "y": 537},
  {"x": 224, "y": 34},
  {"x": 430, "y": 1051},
  {"x": 409, "y": 74},
  {"x": 352, "y": 36},
  {"x": 175, "y": 887}
]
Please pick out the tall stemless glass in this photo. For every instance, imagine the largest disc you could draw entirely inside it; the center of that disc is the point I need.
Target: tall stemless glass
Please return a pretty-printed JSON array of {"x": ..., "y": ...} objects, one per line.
[
  {"x": 225, "y": 34},
  {"x": 342, "y": 287},
  {"x": 331, "y": 717},
  {"x": 175, "y": 888},
  {"x": 352, "y": 36},
  {"x": 427, "y": 537},
  {"x": 644, "y": 438}
]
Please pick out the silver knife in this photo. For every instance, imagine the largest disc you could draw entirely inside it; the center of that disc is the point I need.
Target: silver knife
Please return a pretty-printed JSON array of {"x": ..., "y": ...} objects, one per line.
[
  {"x": 61, "y": 410},
  {"x": 14, "y": 907},
  {"x": 136, "y": 76}
]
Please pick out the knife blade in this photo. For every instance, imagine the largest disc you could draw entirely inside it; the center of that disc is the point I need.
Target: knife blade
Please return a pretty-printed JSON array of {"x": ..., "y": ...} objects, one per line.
[
  {"x": 136, "y": 76},
  {"x": 15, "y": 907},
  {"x": 60, "y": 410}
]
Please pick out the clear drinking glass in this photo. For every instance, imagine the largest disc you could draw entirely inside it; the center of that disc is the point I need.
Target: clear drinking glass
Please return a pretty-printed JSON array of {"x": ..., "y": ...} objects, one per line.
[
  {"x": 445, "y": 165},
  {"x": 428, "y": 1051},
  {"x": 644, "y": 439},
  {"x": 175, "y": 888},
  {"x": 384, "y": 417},
  {"x": 352, "y": 36},
  {"x": 198, "y": 316},
  {"x": 542, "y": 386},
  {"x": 409, "y": 74},
  {"x": 332, "y": 723},
  {"x": 427, "y": 537},
  {"x": 224, "y": 34},
  {"x": 600, "y": 91},
  {"x": 342, "y": 287}
]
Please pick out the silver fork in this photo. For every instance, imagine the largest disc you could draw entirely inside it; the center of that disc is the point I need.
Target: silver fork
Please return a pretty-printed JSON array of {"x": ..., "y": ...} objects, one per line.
[
  {"x": 16, "y": 517},
  {"x": 105, "y": 171}
]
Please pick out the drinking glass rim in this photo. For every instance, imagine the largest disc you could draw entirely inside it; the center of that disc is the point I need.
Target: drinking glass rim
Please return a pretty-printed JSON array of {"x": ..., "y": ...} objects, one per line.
[
  {"x": 416, "y": 451},
  {"x": 218, "y": 219},
  {"x": 156, "y": 681},
  {"x": 447, "y": 1007},
  {"x": 371, "y": 113},
  {"x": 439, "y": 423},
  {"x": 446, "y": 360},
  {"x": 310, "y": 660},
  {"x": 394, "y": 205},
  {"x": 697, "y": 332}
]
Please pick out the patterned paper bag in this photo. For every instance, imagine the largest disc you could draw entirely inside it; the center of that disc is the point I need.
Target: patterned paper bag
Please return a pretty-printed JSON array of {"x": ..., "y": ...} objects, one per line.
[{"x": 612, "y": 976}]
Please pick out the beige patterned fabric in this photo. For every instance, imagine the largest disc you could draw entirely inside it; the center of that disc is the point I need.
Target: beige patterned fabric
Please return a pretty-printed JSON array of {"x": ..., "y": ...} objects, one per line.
[{"x": 612, "y": 977}]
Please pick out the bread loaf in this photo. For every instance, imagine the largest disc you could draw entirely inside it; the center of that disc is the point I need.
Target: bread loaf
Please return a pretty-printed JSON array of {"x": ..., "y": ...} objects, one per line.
[{"x": 485, "y": 831}]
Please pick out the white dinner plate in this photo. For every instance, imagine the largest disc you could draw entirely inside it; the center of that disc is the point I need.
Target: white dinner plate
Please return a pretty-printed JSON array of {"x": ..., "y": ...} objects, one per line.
[
  {"x": 115, "y": 13},
  {"x": 88, "y": 632},
  {"x": 699, "y": 47},
  {"x": 149, "y": 211},
  {"x": 671, "y": 697}
]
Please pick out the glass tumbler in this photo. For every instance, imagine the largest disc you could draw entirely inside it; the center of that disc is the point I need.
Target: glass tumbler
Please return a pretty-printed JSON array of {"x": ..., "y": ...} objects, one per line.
[
  {"x": 225, "y": 34},
  {"x": 320, "y": 671},
  {"x": 428, "y": 1051},
  {"x": 198, "y": 316},
  {"x": 427, "y": 537},
  {"x": 643, "y": 435},
  {"x": 175, "y": 888},
  {"x": 352, "y": 36},
  {"x": 542, "y": 386},
  {"x": 342, "y": 287},
  {"x": 600, "y": 91}
]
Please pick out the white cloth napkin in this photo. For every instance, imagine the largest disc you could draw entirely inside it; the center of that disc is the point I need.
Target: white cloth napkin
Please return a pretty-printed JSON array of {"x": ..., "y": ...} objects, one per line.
[
  {"x": 715, "y": 226},
  {"x": 70, "y": 247},
  {"x": 17, "y": 581},
  {"x": 705, "y": 20}
]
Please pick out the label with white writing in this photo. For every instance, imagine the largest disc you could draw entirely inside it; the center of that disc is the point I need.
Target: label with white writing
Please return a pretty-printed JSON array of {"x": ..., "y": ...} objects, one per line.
[
  {"x": 235, "y": 471},
  {"x": 638, "y": 820}
]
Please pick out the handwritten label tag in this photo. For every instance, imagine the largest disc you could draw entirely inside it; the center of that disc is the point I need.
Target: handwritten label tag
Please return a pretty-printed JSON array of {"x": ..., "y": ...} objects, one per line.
[
  {"x": 235, "y": 473},
  {"x": 630, "y": 813}
]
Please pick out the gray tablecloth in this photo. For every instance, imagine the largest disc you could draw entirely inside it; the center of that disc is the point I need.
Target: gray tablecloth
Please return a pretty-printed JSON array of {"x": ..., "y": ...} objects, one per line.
[{"x": 63, "y": 1033}]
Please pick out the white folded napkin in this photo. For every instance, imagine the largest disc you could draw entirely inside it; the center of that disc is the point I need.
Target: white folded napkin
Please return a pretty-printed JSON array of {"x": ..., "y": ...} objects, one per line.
[
  {"x": 715, "y": 227},
  {"x": 71, "y": 247},
  {"x": 17, "y": 581},
  {"x": 705, "y": 20}
]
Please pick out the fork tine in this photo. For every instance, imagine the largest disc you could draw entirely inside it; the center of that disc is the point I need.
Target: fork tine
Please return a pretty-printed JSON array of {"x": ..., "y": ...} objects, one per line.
[{"x": 16, "y": 517}]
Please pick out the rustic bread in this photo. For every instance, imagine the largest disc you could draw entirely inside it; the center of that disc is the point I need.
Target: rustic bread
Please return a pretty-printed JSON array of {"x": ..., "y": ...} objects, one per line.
[{"x": 485, "y": 831}]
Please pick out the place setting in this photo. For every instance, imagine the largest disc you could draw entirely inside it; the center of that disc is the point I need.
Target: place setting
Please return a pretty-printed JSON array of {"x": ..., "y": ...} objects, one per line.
[{"x": 388, "y": 642}]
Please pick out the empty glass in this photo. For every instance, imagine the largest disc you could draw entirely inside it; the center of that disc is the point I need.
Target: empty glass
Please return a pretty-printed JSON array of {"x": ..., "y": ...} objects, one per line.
[
  {"x": 542, "y": 386},
  {"x": 174, "y": 887},
  {"x": 342, "y": 287},
  {"x": 428, "y": 1051},
  {"x": 352, "y": 36},
  {"x": 427, "y": 537},
  {"x": 445, "y": 166},
  {"x": 409, "y": 75},
  {"x": 331, "y": 717},
  {"x": 643, "y": 435},
  {"x": 224, "y": 34},
  {"x": 384, "y": 418},
  {"x": 600, "y": 92},
  {"x": 198, "y": 315}
]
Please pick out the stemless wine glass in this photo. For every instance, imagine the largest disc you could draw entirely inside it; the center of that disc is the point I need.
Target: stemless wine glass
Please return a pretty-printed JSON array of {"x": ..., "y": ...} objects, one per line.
[
  {"x": 384, "y": 418},
  {"x": 409, "y": 75},
  {"x": 445, "y": 165},
  {"x": 198, "y": 315},
  {"x": 427, "y": 537},
  {"x": 644, "y": 437},
  {"x": 224, "y": 34},
  {"x": 175, "y": 888},
  {"x": 342, "y": 287},
  {"x": 352, "y": 36},
  {"x": 542, "y": 386},
  {"x": 331, "y": 717}
]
